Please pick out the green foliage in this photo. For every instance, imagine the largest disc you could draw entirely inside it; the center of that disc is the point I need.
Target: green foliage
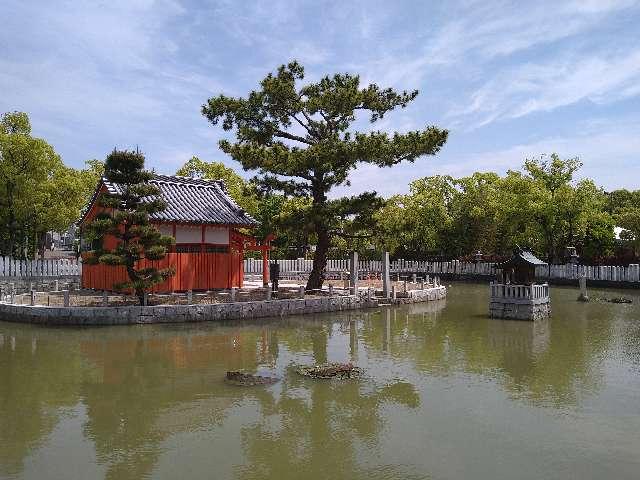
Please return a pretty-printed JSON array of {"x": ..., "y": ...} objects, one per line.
[
  {"x": 299, "y": 139},
  {"x": 38, "y": 193},
  {"x": 629, "y": 219},
  {"x": 126, "y": 218},
  {"x": 541, "y": 208}
]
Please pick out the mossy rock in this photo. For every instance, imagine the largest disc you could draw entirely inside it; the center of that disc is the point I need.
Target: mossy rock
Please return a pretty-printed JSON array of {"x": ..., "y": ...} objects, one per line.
[
  {"x": 243, "y": 379},
  {"x": 330, "y": 370}
]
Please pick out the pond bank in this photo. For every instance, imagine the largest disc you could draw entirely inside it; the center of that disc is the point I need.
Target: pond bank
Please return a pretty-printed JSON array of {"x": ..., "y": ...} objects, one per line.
[{"x": 128, "y": 315}]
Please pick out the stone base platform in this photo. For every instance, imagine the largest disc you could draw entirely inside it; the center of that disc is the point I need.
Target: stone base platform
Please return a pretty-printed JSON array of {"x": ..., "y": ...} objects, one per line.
[
  {"x": 128, "y": 315},
  {"x": 520, "y": 310}
]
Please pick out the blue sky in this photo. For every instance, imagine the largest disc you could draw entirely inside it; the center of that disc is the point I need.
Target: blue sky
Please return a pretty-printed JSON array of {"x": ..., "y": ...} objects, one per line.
[{"x": 510, "y": 80}]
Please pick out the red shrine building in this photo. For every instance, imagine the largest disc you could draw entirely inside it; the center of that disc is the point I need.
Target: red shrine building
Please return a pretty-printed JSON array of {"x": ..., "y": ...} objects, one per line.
[{"x": 203, "y": 219}]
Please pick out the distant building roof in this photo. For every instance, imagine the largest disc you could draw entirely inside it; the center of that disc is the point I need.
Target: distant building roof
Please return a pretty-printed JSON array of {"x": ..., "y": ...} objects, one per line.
[
  {"x": 521, "y": 257},
  {"x": 190, "y": 200}
]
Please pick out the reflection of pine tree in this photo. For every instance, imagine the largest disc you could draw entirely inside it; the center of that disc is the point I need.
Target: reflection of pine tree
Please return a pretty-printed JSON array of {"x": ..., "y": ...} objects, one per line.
[{"x": 318, "y": 435}]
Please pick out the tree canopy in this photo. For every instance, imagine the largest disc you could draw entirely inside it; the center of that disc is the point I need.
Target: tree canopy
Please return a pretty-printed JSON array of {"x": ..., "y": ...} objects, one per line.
[
  {"x": 300, "y": 140},
  {"x": 38, "y": 193},
  {"x": 541, "y": 207}
]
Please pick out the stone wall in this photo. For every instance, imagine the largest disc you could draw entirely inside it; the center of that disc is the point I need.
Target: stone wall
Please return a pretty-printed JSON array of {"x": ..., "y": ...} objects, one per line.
[
  {"x": 42, "y": 284},
  {"x": 128, "y": 315}
]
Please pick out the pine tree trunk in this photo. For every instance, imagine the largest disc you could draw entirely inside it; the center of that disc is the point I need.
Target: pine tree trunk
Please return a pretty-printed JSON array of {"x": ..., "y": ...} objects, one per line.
[{"x": 319, "y": 260}]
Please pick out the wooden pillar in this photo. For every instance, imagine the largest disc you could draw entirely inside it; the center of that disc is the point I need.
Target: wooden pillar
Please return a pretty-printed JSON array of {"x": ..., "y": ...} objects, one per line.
[{"x": 265, "y": 266}]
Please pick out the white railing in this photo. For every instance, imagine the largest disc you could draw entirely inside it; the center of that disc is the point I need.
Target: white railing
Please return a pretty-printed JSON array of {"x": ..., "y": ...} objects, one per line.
[
  {"x": 61, "y": 267},
  {"x": 628, "y": 273},
  {"x": 523, "y": 292}
]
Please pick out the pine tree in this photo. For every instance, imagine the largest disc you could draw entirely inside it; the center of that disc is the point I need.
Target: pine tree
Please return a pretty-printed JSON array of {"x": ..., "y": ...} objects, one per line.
[
  {"x": 300, "y": 140},
  {"x": 126, "y": 218}
]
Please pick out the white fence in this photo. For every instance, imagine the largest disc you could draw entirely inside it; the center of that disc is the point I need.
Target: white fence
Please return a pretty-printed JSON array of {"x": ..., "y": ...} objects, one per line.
[
  {"x": 302, "y": 265},
  {"x": 10, "y": 267},
  {"x": 628, "y": 273}
]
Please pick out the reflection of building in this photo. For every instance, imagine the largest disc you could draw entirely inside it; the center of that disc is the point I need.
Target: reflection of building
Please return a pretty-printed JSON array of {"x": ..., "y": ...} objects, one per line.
[
  {"x": 518, "y": 296},
  {"x": 519, "y": 338},
  {"x": 202, "y": 218}
]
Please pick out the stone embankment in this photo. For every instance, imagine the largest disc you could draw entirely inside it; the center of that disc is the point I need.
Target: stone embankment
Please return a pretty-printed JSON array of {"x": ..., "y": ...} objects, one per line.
[{"x": 129, "y": 315}]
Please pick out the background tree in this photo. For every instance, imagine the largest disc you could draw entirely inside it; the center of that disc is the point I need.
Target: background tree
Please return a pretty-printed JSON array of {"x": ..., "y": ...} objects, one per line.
[
  {"x": 416, "y": 225},
  {"x": 541, "y": 208},
  {"x": 300, "y": 142},
  {"x": 559, "y": 208},
  {"x": 38, "y": 193},
  {"x": 126, "y": 218},
  {"x": 629, "y": 219}
]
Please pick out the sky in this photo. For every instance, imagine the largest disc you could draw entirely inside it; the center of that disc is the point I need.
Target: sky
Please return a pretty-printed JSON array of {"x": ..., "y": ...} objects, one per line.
[{"x": 509, "y": 80}]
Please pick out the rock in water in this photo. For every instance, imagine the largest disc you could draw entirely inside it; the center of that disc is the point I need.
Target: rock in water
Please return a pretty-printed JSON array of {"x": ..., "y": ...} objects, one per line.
[
  {"x": 620, "y": 300},
  {"x": 330, "y": 370},
  {"x": 248, "y": 380}
]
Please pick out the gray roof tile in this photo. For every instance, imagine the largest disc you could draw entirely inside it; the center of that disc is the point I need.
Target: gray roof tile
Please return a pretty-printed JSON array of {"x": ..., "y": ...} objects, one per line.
[{"x": 193, "y": 200}]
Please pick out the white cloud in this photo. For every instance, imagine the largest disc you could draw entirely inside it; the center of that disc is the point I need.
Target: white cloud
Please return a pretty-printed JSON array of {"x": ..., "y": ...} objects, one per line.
[
  {"x": 608, "y": 150},
  {"x": 529, "y": 88}
]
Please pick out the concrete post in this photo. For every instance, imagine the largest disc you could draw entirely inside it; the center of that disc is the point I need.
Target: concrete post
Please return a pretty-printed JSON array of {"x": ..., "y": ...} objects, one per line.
[
  {"x": 2, "y": 293},
  {"x": 267, "y": 294},
  {"x": 56, "y": 285},
  {"x": 330, "y": 290},
  {"x": 422, "y": 285},
  {"x": 414, "y": 278},
  {"x": 145, "y": 299},
  {"x": 386, "y": 280},
  {"x": 369, "y": 295},
  {"x": 301, "y": 291},
  {"x": 33, "y": 298},
  {"x": 354, "y": 273},
  {"x": 65, "y": 296},
  {"x": 583, "y": 289},
  {"x": 105, "y": 298},
  {"x": 233, "y": 294},
  {"x": 404, "y": 287},
  {"x": 189, "y": 297},
  {"x": 393, "y": 292}
]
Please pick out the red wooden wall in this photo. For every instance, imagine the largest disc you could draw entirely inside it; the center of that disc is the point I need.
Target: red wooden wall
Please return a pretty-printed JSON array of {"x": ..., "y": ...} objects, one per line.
[{"x": 194, "y": 271}]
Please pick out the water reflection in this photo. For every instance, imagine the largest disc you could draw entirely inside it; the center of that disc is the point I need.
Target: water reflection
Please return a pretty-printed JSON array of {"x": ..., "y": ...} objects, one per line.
[{"x": 141, "y": 388}]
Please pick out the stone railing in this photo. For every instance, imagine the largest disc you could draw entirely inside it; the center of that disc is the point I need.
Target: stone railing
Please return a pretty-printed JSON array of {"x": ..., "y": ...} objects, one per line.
[{"x": 519, "y": 292}]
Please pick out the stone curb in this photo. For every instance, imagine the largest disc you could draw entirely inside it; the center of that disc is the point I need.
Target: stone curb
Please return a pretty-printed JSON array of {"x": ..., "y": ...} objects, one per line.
[{"x": 130, "y": 315}]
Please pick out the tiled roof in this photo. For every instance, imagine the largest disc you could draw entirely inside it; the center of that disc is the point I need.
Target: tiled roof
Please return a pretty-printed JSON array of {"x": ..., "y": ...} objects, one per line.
[
  {"x": 522, "y": 256},
  {"x": 192, "y": 200}
]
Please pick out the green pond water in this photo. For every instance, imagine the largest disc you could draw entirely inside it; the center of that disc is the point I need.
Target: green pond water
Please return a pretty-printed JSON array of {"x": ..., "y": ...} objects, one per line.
[{"x": 447, "y": 394}]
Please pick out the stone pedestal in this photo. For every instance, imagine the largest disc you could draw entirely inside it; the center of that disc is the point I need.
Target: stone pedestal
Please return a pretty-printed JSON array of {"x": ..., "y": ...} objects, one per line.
[
  {"x": 519, "y": 302},
  {"x": 520, "y": 311}
]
